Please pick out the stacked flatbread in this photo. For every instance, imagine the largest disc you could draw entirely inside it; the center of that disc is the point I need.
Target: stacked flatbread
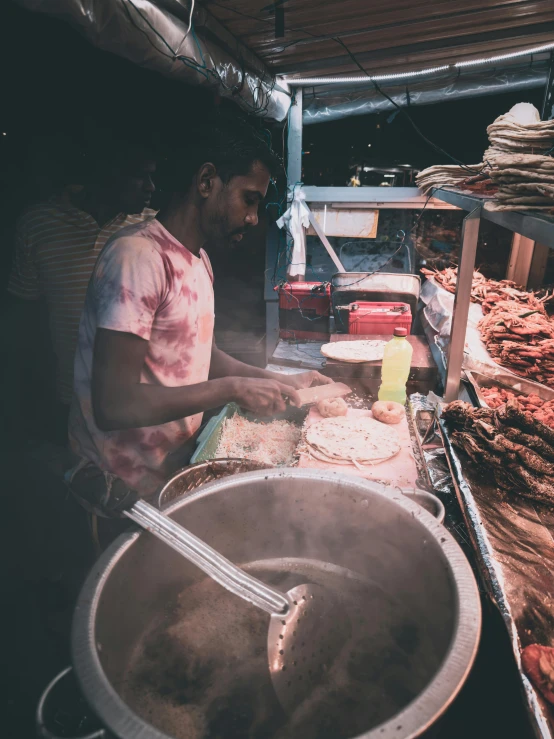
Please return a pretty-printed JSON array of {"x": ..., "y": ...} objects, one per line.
[
  {"x": 518, "y": 161},
  {"x": 358, "y": 441},
  {"x": 446, "y": 175}
]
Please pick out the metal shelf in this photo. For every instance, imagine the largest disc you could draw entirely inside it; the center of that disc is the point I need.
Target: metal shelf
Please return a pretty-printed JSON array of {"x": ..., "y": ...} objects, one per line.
[{"x": 535, "y": 226}]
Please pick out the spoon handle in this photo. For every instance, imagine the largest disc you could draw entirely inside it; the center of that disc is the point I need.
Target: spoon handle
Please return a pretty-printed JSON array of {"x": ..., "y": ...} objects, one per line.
[{"x": 207, "y": 559}]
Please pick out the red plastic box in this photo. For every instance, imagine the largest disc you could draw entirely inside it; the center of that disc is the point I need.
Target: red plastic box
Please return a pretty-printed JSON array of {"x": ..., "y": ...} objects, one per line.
[
  {"x": 304, "y": 310},
  {"x": 378, "y": 318}
]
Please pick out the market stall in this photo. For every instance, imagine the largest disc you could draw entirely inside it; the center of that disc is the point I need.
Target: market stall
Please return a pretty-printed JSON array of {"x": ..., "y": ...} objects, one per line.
[{"x": 351, "y": 489}]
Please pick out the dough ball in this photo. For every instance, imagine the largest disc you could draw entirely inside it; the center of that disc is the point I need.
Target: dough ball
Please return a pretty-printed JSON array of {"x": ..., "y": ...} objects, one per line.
[
  {"x": 525, "y": 113},
  {"x": 332, "y": 407},
  {"x": 387, "y": 411}
]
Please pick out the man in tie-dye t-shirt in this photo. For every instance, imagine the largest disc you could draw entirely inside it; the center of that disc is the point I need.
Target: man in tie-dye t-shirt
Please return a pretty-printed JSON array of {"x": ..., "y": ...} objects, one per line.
[{"x": 147, "y": 365}]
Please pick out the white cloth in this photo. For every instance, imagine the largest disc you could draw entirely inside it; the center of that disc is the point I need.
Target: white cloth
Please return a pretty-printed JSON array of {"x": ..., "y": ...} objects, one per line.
[{"x": 296, "y": 220}]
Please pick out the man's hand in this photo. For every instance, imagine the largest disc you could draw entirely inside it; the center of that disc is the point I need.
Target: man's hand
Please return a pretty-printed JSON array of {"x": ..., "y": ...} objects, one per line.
[
  {"x": 264, "y": 397},
  {"x": 302, "y": 380}
]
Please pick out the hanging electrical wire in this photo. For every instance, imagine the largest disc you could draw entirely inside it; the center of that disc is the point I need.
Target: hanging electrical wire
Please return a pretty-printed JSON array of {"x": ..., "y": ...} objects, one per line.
[
  {"x": 261, "y": 93},
  {"x": 403, "y": 111}
]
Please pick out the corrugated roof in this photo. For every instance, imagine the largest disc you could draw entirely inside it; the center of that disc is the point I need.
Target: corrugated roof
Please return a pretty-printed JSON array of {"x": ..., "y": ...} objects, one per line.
[{"x": 384, "y": 35}]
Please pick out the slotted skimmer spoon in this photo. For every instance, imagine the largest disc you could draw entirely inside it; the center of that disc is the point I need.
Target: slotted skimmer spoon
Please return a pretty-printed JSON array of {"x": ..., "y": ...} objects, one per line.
[{"x": 308, "y": 626}]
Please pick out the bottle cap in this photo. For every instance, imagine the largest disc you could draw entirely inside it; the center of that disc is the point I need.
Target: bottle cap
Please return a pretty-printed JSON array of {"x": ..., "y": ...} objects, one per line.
[{"x": 400, "y": 332}]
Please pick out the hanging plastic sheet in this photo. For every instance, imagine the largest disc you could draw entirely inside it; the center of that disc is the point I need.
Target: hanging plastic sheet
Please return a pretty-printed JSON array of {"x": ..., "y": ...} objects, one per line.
[
  {"x": 331, "y": 102},
  {"x": 154, "y": 35}
]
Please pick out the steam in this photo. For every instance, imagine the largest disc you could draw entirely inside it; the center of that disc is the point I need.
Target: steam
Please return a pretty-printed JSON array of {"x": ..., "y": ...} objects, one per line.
[{"x": 202, "y": 670}]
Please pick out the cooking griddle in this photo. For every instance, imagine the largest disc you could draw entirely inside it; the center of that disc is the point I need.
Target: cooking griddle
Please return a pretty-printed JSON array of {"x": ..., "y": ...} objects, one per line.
[{"x": 400, "y": 470}]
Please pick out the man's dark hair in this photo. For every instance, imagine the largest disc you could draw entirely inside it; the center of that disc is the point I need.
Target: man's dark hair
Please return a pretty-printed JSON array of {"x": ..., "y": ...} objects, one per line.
[{"x": 231, "y": 145}]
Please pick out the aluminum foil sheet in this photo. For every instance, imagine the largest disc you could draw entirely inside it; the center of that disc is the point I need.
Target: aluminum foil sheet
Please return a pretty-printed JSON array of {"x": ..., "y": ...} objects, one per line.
[
  {"x": 514, "y": 542},
  {"x": 437, "y": 472},
  {"x": 303, "y": 354}
]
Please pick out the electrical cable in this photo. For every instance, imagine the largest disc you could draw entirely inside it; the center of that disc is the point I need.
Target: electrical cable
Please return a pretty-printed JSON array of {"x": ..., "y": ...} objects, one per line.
[
  {"x": 402, "y": 110},
  {"x": 260, "y": 93},
  {"x": 190, "y": 21}
]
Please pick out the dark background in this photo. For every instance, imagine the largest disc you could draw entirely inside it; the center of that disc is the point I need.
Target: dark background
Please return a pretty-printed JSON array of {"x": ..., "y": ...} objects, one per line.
[{"x": 56, "y": 88}]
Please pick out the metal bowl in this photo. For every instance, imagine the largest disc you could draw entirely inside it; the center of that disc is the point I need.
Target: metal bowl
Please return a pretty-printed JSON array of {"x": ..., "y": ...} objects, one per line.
[{"x": 191, "y": 477}]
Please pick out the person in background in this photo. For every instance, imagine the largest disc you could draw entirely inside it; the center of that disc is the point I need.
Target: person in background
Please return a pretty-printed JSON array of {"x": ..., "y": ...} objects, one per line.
[
  {"x": 147, "y": 366},
  {"x": 57, "y": 243}
]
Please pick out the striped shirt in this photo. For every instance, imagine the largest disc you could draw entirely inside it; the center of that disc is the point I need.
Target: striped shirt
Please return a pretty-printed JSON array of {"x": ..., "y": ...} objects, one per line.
[{"x": 57, "y": 246}]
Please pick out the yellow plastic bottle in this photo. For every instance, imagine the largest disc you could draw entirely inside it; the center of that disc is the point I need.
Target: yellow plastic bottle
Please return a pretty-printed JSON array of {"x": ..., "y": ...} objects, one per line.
[{"x": 396, "y": 367}]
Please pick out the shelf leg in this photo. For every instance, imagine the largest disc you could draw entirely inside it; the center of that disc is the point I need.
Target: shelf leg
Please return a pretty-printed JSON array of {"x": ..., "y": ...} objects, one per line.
[
  {"x": 294, "y": 159},
  {"x": 462, "y": 299},
  {"x": 521, "y": 258}
]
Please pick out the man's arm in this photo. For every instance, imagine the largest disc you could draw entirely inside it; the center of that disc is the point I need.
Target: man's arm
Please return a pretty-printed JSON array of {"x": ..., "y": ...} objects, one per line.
[
  {"x": 222, "y": 365},
  {"x": 121, "y": 401}
]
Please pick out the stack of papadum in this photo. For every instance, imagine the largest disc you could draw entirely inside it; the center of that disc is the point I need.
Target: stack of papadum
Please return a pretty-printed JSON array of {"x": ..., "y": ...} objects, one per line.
[
  {"x": 448, "y": 175},
  {"x": 518, "y": 167},
  {"x": 518, "y": 160}
]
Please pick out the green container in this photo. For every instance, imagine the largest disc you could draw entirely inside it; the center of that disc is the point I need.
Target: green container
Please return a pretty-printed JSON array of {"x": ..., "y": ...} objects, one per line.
[{"x": 208, "y": 441}]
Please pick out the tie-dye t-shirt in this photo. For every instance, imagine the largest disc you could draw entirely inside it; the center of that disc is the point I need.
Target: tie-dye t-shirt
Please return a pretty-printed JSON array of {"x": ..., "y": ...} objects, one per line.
[{"x": 148, "y": 284}]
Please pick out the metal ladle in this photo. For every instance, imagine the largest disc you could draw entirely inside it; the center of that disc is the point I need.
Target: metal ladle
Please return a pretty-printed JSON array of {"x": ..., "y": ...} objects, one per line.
[{"x": 308, "y": 627}]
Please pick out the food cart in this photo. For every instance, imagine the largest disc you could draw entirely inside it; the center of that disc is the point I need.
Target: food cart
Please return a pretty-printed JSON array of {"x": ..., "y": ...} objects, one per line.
[{"x": 509, "y": 535}]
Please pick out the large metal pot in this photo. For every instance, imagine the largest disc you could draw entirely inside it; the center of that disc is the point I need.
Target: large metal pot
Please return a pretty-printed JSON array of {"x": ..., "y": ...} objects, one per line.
[{"x": 307, "y": 515}]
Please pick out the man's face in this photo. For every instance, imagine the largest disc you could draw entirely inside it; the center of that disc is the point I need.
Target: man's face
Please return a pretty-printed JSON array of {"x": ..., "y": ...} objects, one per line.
[
  {"x": 133, "y": 186},
  {"x": 232, "y": 208}
]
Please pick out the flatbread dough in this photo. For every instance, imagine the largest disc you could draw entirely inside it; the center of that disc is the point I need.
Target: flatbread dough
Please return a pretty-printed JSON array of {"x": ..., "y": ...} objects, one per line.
[
  {"x": 354, "y": 351},
  {"x": 358, "y": 441},
  {"x": 331, "y": 407}
]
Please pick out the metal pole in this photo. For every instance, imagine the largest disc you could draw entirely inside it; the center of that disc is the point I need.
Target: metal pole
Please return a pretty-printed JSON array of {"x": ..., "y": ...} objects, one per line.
[
  {"x": 270, "y": 296},
  {"x": 294, "y": 141},
  {"x": 294, "y": 175},
  {"x": 547, "y": 103},
  {"x": 324, "y": 240},
  {"x": 294, "y": 160},
  {"x": 462, "y": 299}
]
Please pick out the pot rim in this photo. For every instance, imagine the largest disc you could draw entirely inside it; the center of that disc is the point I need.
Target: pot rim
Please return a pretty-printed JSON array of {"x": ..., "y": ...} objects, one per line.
[{"x": 413, "y": 720}]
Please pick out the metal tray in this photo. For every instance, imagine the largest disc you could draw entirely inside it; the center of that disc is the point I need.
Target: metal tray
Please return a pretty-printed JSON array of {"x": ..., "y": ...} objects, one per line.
[
  {"x": 514, "y": 542},
  {"x": 518, "y": 385},
  {"x": 208, "y": 441}
]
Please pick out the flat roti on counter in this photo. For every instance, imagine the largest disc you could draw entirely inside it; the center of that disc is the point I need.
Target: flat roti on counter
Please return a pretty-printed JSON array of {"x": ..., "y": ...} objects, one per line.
[
  {"x": 358, "y": 441},
  {"x": 354, "y": 351}
]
